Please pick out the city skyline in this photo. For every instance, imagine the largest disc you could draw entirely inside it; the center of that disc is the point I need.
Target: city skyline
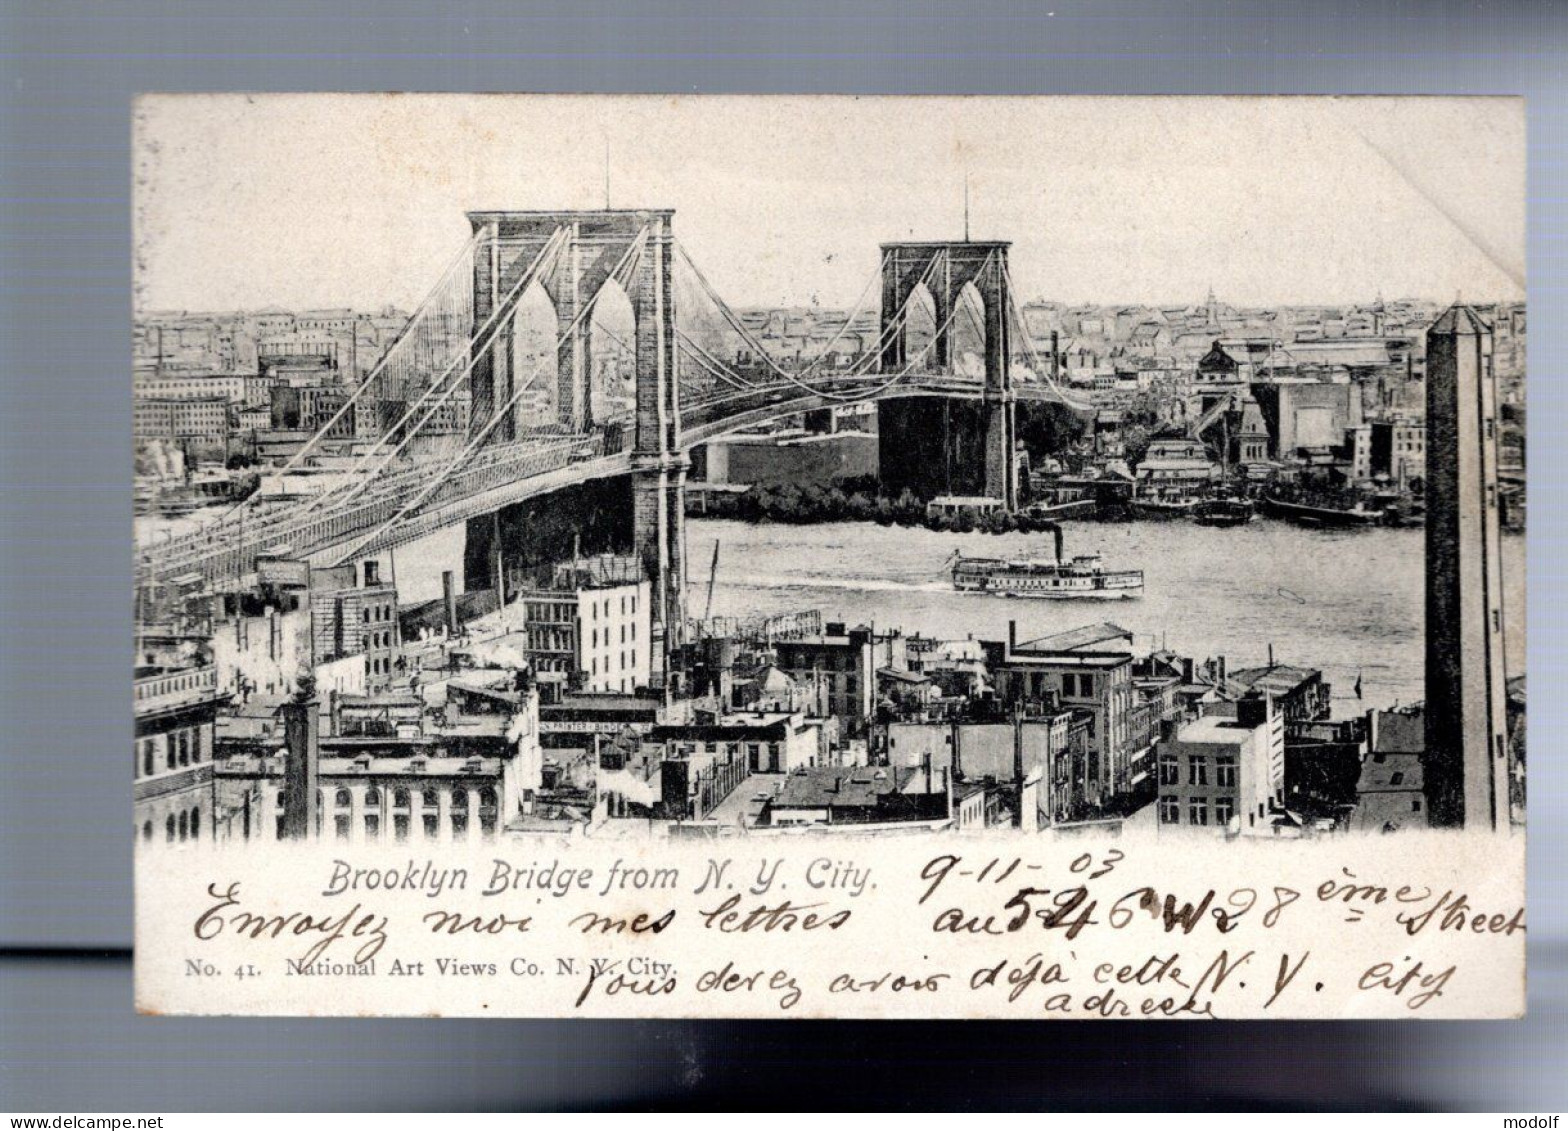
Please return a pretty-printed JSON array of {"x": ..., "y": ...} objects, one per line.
[{"x": 1072, "y": 176}]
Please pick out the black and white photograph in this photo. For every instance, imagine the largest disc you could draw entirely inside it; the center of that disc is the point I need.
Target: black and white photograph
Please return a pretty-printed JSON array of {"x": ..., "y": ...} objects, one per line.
[
  {"x": 991, "y": 494},
  {"x": 525, "y": 480}
]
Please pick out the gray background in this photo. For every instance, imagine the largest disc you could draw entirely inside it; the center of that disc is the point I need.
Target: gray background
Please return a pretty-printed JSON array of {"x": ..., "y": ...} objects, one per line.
[{"x": 68, "y": 1039}]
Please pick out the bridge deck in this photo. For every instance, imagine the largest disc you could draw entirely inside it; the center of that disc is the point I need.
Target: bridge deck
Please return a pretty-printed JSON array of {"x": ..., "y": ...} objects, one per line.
[{"x": 224, "y": 553}]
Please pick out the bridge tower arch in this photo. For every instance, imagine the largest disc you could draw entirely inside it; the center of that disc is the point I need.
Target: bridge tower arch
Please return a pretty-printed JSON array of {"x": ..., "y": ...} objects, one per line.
[
  {"x": 597, "y": 242},
  {"x": 945, "y": 268}
]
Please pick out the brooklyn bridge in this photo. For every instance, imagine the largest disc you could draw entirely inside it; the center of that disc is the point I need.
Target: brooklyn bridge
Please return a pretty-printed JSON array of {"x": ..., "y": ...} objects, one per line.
[{"x": 537, "y": 431}]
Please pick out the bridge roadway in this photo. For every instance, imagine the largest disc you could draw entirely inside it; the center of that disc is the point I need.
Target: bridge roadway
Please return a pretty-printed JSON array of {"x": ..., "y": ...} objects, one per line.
[{"x": 224, "y": 553}]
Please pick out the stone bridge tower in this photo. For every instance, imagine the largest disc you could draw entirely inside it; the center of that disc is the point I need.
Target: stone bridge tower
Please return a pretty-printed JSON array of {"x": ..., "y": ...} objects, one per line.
[
  {"x": 596, "y": 243},
  {"x": 937, "y": 444}
]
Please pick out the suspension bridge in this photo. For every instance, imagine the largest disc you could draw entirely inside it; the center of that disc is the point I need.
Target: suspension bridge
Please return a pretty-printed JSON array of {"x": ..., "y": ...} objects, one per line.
[{"x": 541, "y": 420}]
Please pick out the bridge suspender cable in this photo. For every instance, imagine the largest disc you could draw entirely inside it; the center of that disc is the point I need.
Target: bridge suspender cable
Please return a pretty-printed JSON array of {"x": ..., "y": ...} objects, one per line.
[
  {"x": 404, "y": 337},
  {"x": 893, "y": 327},
  {"x": 419, "y": 499},
  {"x": 850, "y": 321},
  {"x": 883, "y": 385},
  {"x": 477, "y": 345},
  {"x": 1043, "y": 372},
  {"x": 336, "y": 499}
]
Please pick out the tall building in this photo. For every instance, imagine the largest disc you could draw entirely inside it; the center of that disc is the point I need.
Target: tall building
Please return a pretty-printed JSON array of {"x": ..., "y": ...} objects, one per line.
[
  {"x": 177, "y": 700},
  {"x": 349, "y": 619},
  {"x": 591, "y": 623},
  {"x": 1226, "y": 773},
  {"x": 1466, "y": 764},
  {"x": 839, "y": 665}
]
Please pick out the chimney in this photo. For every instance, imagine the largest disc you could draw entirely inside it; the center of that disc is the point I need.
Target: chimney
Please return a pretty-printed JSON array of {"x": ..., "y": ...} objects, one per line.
[
  {"x": 302, "y": 735},
  {"x": 1254, "y": 710},
  {"x": 1012, "y": 635},
  {"x": 1219, "y": 670},
  {"x": 449, "y": 601},
  {"x": 1186, "y": 669},
  {"x": 1056, "y": 359}
]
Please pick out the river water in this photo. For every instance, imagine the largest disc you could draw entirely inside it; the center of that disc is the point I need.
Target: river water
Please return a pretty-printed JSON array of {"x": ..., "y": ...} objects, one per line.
[{"x": 1348, "y": 602}]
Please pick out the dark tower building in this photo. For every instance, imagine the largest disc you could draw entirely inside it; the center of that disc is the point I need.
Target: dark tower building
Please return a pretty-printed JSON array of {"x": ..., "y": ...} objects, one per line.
[{"x": 1466, "y": 762}]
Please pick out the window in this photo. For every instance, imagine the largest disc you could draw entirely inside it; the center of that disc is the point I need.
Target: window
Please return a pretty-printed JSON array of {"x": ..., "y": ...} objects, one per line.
[
  {"x": 372, "y": 798},
  {"x": 146, "y": 830},
  {"x": 1396, "y": 778},
  {"x": 1070, "y": 685},
  {"x": 168, "y": 757},
  {"x": 1198, "y": 811},
  {"x": 372, "y": 826},
  {"x": 1225, "y": 769},
  {"x": 196, "y": 745},
  {"x": 340, "y": 826},
  {"x": 1197, "y": 771},
  {"x": 487, "y": 798},
  {"x": 1415, "y": 805},
  {"x": 1170, "y": 770},
  {"x": 1379, "y": 757},
  {"x": 342, "y": 799},
  {"x": 400, "y": 799},
  {"x": 430, "y": 799},
  {"x": 1224, "y": 810},
  {"x": 147, "y": 751},
  {"x": 459, "y": 825},
  {"x": 1170, "y": 811},
  {"x": 168, "y": 828},
  {"x": 195, "y": 824},
  {"x": 400, "y": 827},
  {"x": 185, "y": 825},
  {"x": 432, "y": 829}
]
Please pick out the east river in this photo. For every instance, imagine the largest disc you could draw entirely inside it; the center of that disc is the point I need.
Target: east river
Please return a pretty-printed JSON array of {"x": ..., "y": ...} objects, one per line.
[{"x": 1351, "y": 603}]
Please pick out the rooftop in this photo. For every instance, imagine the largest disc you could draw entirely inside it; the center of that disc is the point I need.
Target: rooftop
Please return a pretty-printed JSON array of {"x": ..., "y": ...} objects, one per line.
[
  {"x": 1459, "y": 319},
  {"x": 824, "y": 787},
  {"x": 1218, "y": 730},
  {"x": 1074, "y": 639},
  {"x": 1278, "y": 679},
  {"x": 1400, "y": 733}
]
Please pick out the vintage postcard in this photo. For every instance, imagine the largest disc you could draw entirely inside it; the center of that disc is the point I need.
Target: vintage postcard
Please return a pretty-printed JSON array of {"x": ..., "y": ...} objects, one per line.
[{"x": 829, "y": 557}]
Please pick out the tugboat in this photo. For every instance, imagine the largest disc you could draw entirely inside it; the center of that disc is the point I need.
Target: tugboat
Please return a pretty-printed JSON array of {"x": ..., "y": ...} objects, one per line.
[
  {"x": 1083, "y": 577},
  {"x": 1224, "y": 512}
]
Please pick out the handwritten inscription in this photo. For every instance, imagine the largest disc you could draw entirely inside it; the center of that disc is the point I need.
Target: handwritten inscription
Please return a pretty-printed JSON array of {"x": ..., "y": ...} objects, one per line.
[{"x": 1098, "y": 933}]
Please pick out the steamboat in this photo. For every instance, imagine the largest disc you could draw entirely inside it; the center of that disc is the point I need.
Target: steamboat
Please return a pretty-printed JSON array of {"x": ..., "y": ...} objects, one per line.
[{"x": 1083, "y": 576}]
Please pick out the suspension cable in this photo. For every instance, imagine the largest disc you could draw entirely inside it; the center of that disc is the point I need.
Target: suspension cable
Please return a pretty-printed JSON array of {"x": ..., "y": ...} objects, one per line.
[
  {"x": 635, "y": 247},
  {"x": 476, "y": 348},
  {"x": 403, "y": 336}
]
